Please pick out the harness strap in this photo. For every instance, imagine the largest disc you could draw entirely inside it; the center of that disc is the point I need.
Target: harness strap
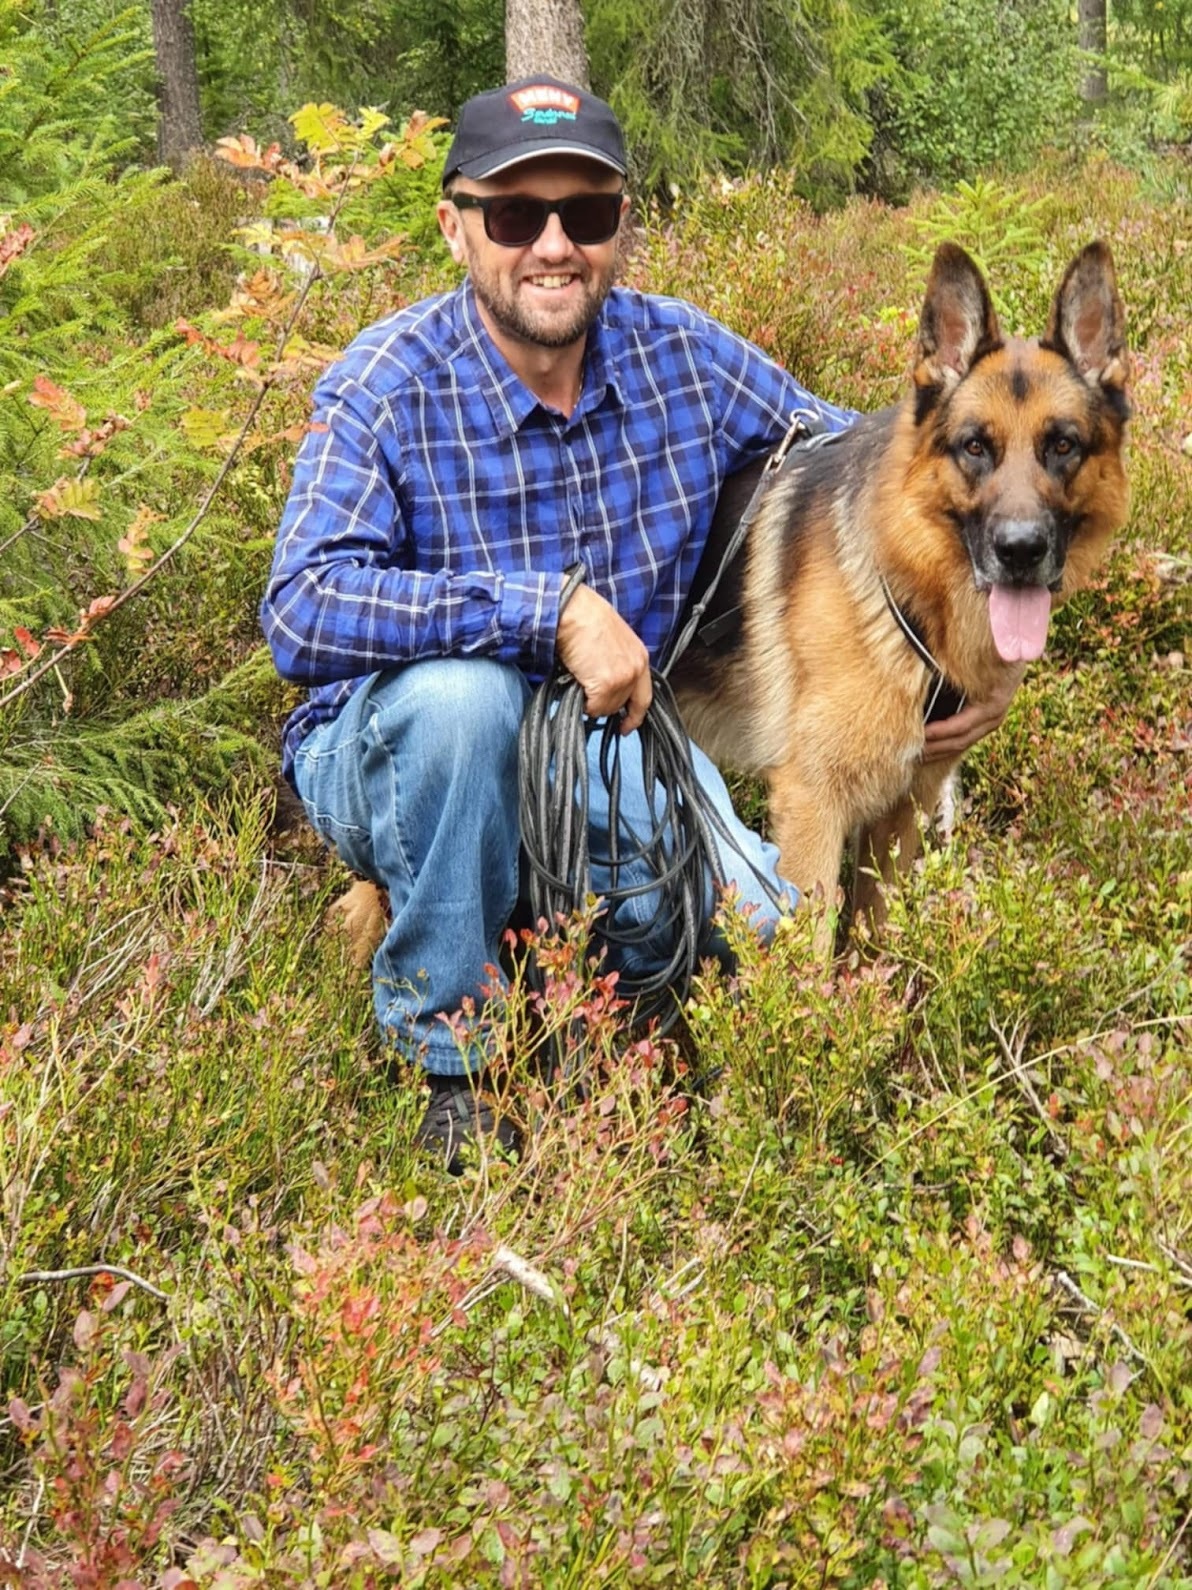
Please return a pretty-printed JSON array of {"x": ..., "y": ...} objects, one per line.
[
  {"x": 798, "y": 439},
  {"x": 944, "y": 699}
]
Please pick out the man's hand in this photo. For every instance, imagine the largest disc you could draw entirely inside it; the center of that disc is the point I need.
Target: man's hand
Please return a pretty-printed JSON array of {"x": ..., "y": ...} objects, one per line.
[
  {"x": 951, "y": 737},
  {"x": 605, "y": 657}
]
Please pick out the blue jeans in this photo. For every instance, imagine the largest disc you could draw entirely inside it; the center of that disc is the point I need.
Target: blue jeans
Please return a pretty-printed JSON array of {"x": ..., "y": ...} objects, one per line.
[{"x": 414, "y": 785}]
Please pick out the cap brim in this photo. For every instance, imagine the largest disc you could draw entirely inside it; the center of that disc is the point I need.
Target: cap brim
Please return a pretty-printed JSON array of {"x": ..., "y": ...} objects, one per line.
[{"x": 491, "y": 165}]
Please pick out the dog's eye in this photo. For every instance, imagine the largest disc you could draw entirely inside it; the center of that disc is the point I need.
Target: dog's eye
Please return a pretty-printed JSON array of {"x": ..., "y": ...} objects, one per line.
[
  {"x": 975, "y": 447},
  {"x": 1063, "y": 448}
]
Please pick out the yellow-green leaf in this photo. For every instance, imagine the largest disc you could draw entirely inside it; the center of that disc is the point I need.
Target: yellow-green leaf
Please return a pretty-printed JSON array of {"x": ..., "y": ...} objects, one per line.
[
  {"x": 205, "y": 427},
  {"x": 77, "y": 498},
  {"x": 372, "y": 120},
  {"x": 322, "y": 128}
]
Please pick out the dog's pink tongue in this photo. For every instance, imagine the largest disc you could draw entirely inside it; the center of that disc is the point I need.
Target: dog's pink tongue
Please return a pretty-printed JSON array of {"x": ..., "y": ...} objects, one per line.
[{"x": 1018, "y": 616}]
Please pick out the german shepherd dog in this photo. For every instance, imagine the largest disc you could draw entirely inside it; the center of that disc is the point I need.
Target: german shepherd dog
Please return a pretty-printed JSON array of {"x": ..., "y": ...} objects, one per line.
[
  {"x": 911, "y": 563},
  {"x": 916, "y": 557}
]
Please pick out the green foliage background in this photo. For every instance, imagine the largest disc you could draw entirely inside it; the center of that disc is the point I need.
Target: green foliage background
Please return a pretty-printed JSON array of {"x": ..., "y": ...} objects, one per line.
[{"x": 876, "y": 93}]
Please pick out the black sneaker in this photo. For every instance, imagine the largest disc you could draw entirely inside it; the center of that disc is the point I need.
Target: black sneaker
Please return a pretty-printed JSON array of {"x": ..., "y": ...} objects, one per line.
[{"x": 458, "y": 1113}]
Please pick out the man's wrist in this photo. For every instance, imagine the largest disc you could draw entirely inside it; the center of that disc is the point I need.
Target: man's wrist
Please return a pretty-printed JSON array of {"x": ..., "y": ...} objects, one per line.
[{"x": 573, "y": 578}]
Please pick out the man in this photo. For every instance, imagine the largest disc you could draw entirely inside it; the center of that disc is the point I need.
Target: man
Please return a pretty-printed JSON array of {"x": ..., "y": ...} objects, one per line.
[{"x": 472, "y": 449}]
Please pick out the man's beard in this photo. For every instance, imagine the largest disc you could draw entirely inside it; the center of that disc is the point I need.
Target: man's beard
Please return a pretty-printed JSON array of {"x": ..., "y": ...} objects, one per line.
[{"x": 539, "y": 329}]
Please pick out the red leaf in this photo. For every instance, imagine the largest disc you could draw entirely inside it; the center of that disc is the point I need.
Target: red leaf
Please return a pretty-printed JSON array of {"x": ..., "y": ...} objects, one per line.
[
  {"x": 23, "y": 1420},
  {"x": 134, "y": 1398},
  {"x": 64, "y": 410},
  {"x": 425, "y": 1541},
  {"x": 116, "y": 1296},
  {"x": 13, "y": 244}
]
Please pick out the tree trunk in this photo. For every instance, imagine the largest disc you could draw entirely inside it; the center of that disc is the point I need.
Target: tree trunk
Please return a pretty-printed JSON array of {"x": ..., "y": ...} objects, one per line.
[
  {"x": 179, "y": 124},
  {"x": 545, "y": 36},
  {"x": 1094, "y": 84}
]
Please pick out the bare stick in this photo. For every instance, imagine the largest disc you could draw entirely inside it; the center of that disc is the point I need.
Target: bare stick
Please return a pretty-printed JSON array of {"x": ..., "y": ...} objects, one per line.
[
  {"x": 1027, "y": 1088},
  {"x": 1171, "y": 1551},
  {"x": 33, "y": 1512},
  {"x": 1151, "y": 1269},
  {"x": 95, "y": 1269},
  {"x": 528, "y": 1275},
  {"x": 1087, "y": 1306},
  {"x": 1175, "y": 1257},
  {"x": 538, "y": 1284}
]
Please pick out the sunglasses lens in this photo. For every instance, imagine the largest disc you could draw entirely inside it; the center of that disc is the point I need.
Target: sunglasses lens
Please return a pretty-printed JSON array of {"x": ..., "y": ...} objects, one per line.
[
  {"x": 591, "y": 217},
  {"x": 515, "y": 221}
]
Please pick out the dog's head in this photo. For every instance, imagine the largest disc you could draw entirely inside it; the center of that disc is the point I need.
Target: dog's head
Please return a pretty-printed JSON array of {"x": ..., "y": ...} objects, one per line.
[{"x": 1024, "y": 439}]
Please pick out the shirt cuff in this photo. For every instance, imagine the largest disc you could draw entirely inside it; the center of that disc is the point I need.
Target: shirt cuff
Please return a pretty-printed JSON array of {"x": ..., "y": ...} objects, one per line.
[{"x": 528, "y": 617}]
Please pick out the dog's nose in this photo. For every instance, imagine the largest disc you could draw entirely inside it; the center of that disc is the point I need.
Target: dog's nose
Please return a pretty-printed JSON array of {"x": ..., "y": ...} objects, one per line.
[{"x": 1021, "y": 545}]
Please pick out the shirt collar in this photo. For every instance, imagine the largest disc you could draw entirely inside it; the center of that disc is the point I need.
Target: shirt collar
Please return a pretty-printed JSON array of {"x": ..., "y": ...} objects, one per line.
[
  {"x": 509, "y": 400},
  {"x": 600, "y": 367}
]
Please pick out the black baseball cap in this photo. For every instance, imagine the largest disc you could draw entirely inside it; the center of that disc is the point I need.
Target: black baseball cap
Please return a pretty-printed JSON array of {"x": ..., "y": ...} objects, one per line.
[{"x": 525, "y": 120}]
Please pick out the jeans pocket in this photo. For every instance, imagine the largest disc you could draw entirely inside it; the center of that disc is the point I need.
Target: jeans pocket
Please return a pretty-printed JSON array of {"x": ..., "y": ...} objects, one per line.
[{"x": 327, "y": 798}]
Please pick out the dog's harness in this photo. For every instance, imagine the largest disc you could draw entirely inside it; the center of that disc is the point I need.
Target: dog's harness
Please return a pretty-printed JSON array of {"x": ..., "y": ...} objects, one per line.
[
  {"x": 727, "y": 540},
  {"x": 943, "y": 699}
]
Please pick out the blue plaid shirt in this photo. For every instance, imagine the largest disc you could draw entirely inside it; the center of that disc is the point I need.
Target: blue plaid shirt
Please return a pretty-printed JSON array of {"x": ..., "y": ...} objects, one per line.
[{"x": 434, "y": 511}]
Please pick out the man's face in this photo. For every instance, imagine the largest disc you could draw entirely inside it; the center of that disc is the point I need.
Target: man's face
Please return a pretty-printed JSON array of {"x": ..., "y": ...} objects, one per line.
[{"x": 548, "y": 292}]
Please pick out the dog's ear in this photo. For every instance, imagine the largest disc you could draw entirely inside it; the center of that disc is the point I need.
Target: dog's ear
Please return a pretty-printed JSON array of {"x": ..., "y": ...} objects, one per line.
[
  {"x": 1087, "y": 323},
  {"x": 958, "y": 325}
]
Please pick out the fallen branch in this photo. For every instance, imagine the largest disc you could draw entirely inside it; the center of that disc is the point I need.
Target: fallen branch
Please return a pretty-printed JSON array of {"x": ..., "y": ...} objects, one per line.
[
  {"x": 1018, "y": 1073},
  {"x": 1087, "y": 1306},
  {"x": 539, "y": 1284},
  {"x": 19, "y": 1564},
  {"x": 1151, "y": 1269},
  {"x": 528, "y": 1276},
  {"x": 1175, "y": 1258},
  {"x": 95, "y": 1269},
  {"x": 1157, "y": 1577}
]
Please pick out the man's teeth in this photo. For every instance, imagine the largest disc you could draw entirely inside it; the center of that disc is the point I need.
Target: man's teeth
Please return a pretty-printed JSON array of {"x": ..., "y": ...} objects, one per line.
[{"x": 550, "y": 281}]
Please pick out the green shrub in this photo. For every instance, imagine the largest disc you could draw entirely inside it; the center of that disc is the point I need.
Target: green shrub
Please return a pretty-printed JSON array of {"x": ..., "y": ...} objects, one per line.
[
  {"x": 980, "y": 83},
  {"x": 166, "y": 243},
  {"x": 76, "y": 93}
]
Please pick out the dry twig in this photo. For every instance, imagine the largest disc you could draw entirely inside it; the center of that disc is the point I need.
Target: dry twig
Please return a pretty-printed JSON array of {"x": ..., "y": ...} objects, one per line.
[
  {"x": 1012, "y": 1048},
  {"x": 1087, "y": 1306},
  {"x": 95, "y": 1269}
]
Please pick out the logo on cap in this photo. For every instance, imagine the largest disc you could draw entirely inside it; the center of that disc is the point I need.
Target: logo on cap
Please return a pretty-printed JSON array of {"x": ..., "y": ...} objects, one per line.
[{"x": 537, "y": 103}]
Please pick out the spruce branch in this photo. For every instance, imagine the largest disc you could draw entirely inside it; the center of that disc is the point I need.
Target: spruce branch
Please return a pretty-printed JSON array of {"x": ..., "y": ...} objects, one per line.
[
  {"x": 104, "y": 607},
  {"x": 34, "y": 519}
]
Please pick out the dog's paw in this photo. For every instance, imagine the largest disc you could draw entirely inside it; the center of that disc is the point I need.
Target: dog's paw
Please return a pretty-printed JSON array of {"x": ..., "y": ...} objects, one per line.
[{"x": 361, "y": 918}]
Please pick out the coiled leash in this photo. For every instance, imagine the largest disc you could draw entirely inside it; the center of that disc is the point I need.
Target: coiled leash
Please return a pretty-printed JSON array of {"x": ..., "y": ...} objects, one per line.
[{"x": 680, "y": 849}]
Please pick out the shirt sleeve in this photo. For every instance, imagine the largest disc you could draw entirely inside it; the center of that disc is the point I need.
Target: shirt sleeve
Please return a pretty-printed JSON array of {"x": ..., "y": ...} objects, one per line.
[
  {"x": 342, "y": 599},
  {"x": 760, "y": 399}
]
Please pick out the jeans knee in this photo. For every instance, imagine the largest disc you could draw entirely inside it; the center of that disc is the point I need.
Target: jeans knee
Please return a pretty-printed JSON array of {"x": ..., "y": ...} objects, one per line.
[{"x": 457, "y": 711}]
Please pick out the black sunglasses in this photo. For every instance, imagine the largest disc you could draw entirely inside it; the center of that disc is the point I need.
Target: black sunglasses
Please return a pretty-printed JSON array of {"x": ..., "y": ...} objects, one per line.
[{"x": 516, "y": 219}]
